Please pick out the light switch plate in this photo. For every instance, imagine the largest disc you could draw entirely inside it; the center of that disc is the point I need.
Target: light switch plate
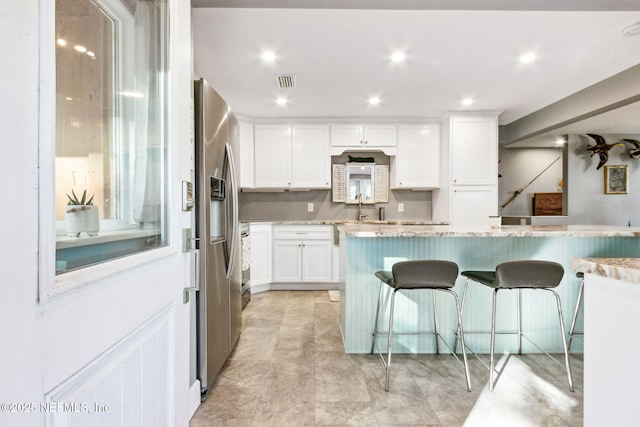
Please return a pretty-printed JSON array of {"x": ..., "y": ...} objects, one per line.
[
  {"x": 400, "y": 207},
  {"x": 309, "y": 207}
]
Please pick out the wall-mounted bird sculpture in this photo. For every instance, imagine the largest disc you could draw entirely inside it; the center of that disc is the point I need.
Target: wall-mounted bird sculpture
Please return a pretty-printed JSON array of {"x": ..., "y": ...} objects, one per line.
[
  {"x": 601, "y": 149},
  {"x": 634, "y": 152}
]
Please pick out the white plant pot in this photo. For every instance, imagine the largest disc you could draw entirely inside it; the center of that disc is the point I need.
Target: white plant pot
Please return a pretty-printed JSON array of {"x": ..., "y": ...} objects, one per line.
[
  {"x": 82, "y": 218},
  {"x": 92, "y": 220}
]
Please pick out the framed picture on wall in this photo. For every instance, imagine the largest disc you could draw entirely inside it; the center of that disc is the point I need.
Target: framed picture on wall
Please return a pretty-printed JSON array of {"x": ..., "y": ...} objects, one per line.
[{"x": 615, "y": 180}]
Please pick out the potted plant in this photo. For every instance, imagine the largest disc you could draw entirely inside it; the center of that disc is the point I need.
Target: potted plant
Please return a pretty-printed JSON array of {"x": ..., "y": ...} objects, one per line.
[{"x": 81, "y": 215}]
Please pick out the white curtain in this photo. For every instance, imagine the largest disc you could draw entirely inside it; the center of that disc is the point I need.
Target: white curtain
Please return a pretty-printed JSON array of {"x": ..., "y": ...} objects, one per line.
[{"x": 149, "y": 114}]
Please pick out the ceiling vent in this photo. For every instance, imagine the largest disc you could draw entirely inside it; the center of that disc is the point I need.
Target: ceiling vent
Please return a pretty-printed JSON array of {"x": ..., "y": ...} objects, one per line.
[{"x": 287, "y": 81}]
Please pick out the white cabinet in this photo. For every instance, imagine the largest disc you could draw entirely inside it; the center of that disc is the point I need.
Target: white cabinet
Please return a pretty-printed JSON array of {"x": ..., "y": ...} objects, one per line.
[
  {"x": 292, "y": 156},
  {"x": 272, "y": 156},
  {"x": 310, "y": 157},
  {"x": 473, "y": 204},
  {"x": 417, "y": 163},
  {"x": 261, "y": 256},
  {"x": 468, "y": 192},
  {"x": 474, "y": 149},
  {"x": 302, "y": 253},
  {"x": 245, "y": 156},
  {"x": 363, "y": 137}
]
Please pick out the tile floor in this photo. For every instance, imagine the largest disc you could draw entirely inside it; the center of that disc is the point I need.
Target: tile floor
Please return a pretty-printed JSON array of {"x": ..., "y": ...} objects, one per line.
[{"x": 289, "y": 369}]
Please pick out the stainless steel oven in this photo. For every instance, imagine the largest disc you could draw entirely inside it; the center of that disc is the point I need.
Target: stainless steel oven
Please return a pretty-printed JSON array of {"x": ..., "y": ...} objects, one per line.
[{"x": 245, "y": 241}]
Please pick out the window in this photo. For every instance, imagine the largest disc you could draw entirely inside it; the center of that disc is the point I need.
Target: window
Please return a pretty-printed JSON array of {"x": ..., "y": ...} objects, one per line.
[{"x": 110, "y": 129}]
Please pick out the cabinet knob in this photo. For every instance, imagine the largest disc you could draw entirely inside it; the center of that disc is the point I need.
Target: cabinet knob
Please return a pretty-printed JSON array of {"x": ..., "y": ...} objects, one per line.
[{"x": 366, "y": 142}]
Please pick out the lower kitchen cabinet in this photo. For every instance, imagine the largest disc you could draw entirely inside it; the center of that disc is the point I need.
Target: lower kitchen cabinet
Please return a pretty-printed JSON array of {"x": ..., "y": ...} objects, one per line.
[
  {"x": 472, "y": 205},
  {"x": 302, "y": 253}
]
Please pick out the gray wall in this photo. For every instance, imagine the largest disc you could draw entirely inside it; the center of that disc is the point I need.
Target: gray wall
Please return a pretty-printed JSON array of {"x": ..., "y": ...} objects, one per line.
[
  {"x": 587, "y": 202},
  {"x": 292, "y": 205},
  {"x": 518, "y": 166}
]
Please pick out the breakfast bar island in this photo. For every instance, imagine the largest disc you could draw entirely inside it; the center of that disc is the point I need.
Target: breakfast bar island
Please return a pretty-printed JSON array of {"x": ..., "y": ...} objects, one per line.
[{"x": 367, "y": 248}]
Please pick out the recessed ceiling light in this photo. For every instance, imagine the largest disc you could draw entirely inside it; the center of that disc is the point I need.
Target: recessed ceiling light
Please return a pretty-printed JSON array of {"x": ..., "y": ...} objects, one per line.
[
  {"x": 281, "y": 101},
  {"x": 268, "y": 56},
  {"x": 467, "y": 101},
  {"x": 374, "y": 100},
  {"x": 398, "y": 57},
  {"x": 61, "y": 42},
  {"x": 560, "y": 140},
  {"x": 80, "y": 48},
  {"x": 527, "y": 58},
  {"x": 91, "y": 54}
]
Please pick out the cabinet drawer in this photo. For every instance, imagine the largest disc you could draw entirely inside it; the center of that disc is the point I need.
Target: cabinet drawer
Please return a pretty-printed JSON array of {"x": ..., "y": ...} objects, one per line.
[{"x": 302, "y": 232}]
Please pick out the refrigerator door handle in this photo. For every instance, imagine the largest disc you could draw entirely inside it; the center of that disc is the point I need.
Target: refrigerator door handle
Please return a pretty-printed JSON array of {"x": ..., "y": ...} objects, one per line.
[
  {"x": 186, "y": 292},
  {"x": 234, "y": 211}
]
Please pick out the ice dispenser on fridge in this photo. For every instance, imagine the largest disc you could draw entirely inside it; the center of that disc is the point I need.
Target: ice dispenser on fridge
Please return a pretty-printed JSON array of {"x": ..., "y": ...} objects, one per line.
[{"x": 218, "y": 210}]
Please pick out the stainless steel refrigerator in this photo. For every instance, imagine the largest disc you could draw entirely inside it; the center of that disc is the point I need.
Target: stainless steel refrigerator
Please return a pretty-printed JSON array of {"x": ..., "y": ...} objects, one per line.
[{"x": 219, "y": 299}]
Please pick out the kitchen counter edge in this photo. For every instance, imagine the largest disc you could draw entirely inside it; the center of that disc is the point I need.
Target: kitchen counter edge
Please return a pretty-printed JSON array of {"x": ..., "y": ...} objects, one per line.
[
  {"x": 625, "y": 269},
  {"x": 372, "y": 230}
]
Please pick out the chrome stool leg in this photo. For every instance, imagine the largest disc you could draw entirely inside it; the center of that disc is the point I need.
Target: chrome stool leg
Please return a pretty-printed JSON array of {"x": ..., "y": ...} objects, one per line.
[
  {"x": 564, "y": 340},
  {"x": 461, "y": 332},
  {"x": 519, "y": 321},
  {"x": 575, "y": 315},
  {"x": 464, "y": 298},
  {"x": 435, "y": 321},
  {"x": 492, "y": 368},
  {"x": 389, "y": 341},
  {"x": 375, "y": 322}
]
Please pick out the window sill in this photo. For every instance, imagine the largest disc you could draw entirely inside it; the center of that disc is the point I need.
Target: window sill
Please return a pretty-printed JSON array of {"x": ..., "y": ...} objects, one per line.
[
  {"x": 67, "y": 242},
  {"x": 73, "y": 253}
]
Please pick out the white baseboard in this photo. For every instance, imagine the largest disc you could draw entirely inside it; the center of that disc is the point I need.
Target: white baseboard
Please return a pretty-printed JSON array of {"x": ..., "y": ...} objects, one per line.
[
  {"x": 194, "y": 398},
  {"x": 263, "y": 287},
  {"x": 256, "y": 289}
]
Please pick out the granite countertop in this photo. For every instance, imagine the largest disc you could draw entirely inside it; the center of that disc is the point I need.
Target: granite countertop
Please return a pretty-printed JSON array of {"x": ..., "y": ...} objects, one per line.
[
  {"x": 626, "y": 269},
  {"x": 345, "y": 221},
  {"x": 372, "y": 230}
]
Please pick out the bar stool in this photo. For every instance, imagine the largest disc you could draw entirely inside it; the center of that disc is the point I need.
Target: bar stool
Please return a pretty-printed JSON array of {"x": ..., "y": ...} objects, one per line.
[
  {"x": 572, "y": 330},
  {"x": 538, "y": 275},
  {"x": 414, "y": 275}
]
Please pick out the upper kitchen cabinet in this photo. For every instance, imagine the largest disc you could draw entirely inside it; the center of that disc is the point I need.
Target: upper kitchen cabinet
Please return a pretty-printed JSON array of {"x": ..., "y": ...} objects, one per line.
[
  {"x": 272, "y": 149},
  {"x": 292, "y": 157},
  {"x": 363, "y": 137},
  {"x": 417, "y": 163},
  {"x": 245, "y": 156},
  {"x": 474, "y": 149},
  {"x": 310, "y": 158}
]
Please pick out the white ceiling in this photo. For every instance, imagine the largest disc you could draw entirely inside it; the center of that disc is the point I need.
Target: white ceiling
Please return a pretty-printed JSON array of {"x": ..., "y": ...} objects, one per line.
[{"x": 340, "y": 57}]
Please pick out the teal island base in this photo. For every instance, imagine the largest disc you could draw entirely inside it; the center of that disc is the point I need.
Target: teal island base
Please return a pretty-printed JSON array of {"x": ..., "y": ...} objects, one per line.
[{"x": 365, "y": 249}]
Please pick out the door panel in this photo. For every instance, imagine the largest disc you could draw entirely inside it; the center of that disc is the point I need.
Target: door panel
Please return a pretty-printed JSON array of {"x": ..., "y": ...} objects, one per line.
[{"x": 287, "y": 265}]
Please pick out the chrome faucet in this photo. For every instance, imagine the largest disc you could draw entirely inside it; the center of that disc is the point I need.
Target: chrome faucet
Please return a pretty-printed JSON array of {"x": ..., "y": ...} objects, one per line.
[{"x": 360, "y": 214}]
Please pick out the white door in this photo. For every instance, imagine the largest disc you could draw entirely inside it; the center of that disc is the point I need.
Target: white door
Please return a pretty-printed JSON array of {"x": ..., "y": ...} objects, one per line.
[
  {"x": 310, "y": 158},
  {"x": 317, "y": 258},
  {"x": 380, "y": 135},
  {"x": 474, "y": 143},
  {"x": 347, "y": 135},
  {"x": 272, "y": 156},
  {"x": 417, "y": 164},
  {"x": 472, "y": 205},
  {"x": 287, "y": 264},
  {"x": 114, "y": 337}
]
